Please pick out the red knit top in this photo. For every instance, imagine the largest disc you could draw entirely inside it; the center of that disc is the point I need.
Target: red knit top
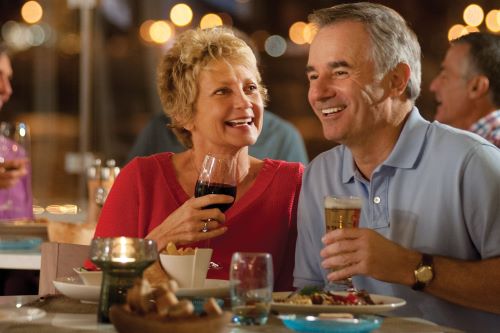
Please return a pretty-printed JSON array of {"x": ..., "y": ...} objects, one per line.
[{"x": 264, "y": 219}]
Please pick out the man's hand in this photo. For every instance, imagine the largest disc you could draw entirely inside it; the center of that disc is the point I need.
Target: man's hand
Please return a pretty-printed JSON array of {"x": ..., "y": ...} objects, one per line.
[{"x": 364, "y": 251}]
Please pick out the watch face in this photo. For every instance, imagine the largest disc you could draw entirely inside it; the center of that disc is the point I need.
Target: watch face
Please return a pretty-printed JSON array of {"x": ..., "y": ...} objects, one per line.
[{"x": 424, "y": 274}]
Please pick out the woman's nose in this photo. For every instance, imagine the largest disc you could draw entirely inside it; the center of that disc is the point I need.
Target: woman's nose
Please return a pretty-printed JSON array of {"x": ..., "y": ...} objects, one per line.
[{"x": 242, "y": 100}]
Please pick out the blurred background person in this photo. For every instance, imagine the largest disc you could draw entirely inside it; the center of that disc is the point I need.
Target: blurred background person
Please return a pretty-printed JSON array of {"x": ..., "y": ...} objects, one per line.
[
  {"x": 467, "y": 89},
  {"x": 211, "y": 88},
  {"x": 279, "y": 139},
  {"x": 15, "y": 189}
]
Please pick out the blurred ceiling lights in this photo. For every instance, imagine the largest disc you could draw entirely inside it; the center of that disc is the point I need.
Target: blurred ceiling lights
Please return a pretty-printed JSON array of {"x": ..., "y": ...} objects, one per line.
[{"x": 473, "y": 17}]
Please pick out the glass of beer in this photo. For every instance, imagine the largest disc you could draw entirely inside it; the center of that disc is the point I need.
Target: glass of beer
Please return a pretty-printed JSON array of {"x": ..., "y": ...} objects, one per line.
[{"x": 342, "y": 212}]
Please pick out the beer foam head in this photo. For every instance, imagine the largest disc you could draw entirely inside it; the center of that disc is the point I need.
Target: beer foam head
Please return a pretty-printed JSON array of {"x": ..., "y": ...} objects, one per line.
[{"x": 332, "y": 202}]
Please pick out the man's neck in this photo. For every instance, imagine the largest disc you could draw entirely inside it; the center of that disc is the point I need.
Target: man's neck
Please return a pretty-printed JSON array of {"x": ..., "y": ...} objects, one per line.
[{"x": 375, "y": 149}]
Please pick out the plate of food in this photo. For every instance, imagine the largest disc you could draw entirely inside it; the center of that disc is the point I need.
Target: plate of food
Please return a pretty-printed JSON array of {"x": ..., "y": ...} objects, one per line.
[
  {"x": 318, "y": 301},
  {"x": 73, "y": 287}
]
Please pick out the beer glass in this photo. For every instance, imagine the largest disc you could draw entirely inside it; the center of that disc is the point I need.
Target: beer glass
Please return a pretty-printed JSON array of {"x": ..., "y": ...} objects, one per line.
[{"x": 342, "y": 212}]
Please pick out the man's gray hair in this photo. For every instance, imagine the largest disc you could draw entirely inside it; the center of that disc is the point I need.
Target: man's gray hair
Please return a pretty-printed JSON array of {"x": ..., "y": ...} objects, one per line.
[{"x": 393, "y": 40}]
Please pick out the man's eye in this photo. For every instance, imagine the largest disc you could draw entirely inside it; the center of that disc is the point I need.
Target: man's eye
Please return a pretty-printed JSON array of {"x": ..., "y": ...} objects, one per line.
[
  {"x": 312, "y": 77},
  {"x": 340, "y": 73}
]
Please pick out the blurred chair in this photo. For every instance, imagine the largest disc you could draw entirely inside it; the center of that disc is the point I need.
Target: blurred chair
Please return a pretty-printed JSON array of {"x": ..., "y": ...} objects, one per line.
[{"x": 58, "y": 260}]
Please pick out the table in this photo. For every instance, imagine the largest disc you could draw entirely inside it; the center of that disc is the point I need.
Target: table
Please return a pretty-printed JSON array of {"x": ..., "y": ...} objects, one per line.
[
  {"x": 65, "y": 315},
  {"x": 20, "y": 259}
]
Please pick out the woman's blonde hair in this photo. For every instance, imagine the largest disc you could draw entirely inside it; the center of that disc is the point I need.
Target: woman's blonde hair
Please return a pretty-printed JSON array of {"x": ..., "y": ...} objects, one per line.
[{"x": 180, "y": 67}]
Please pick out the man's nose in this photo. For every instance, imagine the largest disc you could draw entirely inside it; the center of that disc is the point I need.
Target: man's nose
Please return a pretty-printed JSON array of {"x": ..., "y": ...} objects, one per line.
[
  {"x": 434, "y": 84},
  {"x": 321, "y": 89}
]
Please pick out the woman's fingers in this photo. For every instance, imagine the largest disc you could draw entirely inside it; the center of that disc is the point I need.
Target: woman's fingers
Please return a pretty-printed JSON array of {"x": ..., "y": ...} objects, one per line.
[{"x": 210, "y": 199}]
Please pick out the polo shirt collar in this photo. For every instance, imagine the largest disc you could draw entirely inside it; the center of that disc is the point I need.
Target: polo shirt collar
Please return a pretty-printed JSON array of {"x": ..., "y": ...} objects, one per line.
[{"x": 406, "y": 152}]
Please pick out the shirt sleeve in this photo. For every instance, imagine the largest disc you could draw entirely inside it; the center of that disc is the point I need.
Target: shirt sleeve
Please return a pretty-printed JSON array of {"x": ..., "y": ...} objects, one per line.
[{"x": 308, "y": 270}]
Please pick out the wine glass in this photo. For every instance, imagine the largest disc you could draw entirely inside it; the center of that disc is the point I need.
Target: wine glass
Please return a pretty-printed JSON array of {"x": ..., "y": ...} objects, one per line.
[
  {"x": 342, "y": 212},
  {"x": 16, "y": 200},
  {"x": 217, "y": 176}
]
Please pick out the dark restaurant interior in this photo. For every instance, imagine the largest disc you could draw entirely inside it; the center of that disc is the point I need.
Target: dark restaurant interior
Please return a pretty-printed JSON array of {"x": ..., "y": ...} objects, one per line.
[{"x": 92, "y": 96}]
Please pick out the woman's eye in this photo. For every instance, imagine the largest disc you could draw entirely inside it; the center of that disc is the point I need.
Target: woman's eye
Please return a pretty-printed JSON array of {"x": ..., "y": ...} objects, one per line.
[
  {"x": 252, "y": 88},
  {"x": 221, "y": 91}
]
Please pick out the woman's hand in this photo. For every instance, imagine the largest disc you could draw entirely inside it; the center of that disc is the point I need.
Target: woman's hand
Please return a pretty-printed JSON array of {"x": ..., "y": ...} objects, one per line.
[
  {"x": 12, "y": 171},
  {"x": 188, "y": 223}
]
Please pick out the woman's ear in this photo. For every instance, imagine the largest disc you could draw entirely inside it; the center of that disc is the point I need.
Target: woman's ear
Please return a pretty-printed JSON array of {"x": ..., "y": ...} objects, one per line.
[
  {"x": 399, "y": 78},
  {"x": 478, "y": 86}
]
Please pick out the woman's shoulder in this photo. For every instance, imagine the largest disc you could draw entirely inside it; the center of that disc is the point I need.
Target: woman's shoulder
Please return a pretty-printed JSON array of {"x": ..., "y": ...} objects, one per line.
[{"x": 284, "y": 166}]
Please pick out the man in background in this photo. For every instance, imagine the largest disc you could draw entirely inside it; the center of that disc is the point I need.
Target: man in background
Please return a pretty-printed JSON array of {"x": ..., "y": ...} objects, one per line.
[{"x": 468, "y": 87}]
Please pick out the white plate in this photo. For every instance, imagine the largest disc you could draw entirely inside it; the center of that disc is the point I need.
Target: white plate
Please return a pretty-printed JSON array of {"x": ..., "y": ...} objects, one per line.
[
  {"x": 21, "y": 314},
  {"x": 383, "y": 304},
  {"x": 93, "y": 278},
  {"x": 72, "y": 287},
  {"x": 212, "y": 288}
]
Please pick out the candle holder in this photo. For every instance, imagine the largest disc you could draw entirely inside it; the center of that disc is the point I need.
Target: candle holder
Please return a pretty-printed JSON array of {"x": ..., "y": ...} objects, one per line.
[{"x": 122, "y": 261}]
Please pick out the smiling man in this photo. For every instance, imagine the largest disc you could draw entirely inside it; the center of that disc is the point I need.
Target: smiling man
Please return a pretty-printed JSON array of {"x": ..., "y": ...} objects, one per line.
[
  {"x": 430, "y": 223},
  {"x": 467, "y": 88}
]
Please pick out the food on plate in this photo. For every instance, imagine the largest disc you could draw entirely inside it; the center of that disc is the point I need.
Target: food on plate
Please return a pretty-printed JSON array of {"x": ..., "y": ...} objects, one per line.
[
  {"x": 315, "y": 296},
  {"x": 157, "y": 276},
  {"x": 171, "y": 249}
]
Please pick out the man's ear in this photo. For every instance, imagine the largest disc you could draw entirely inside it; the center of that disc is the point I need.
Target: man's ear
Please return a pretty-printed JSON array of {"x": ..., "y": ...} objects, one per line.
[
  {"x": 478, "y": 86},
  {"x": 399, "y": 78}
]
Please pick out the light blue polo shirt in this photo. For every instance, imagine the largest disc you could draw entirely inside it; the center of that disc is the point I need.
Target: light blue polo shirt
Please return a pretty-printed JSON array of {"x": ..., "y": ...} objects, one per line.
[{"x": 438, "y": 192}]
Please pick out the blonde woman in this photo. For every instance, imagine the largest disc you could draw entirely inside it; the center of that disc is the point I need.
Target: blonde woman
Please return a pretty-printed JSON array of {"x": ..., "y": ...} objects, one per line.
[{"x": 211, "y": 88}]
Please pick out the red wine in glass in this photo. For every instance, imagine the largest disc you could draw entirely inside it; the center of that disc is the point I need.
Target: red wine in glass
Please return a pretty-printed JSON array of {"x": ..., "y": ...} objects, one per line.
[
  {"x": 217, "y": 176},
  {"x": 203, "y": 188}
]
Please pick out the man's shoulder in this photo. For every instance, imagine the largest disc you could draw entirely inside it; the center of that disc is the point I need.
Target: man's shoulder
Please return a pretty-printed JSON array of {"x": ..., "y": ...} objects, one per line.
[{"x": 442, "y": 134}]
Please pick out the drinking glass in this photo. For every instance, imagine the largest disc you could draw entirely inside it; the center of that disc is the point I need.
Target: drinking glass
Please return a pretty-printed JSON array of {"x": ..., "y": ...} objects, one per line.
[
  {"x": 251, "y": 285},
  {"x": 217, "y": 176},
  {"x": 122, "y": 261},
  {"x": 16, "y": 201},
  {"x": 342, "y": 212}
]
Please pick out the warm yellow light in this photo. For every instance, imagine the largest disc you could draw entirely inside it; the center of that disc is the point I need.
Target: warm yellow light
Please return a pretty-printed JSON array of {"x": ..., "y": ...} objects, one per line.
[
  {"x": 493, "y": 20},
  {"x": 181, "y": 14},
  {"x": 456, "y": 31},
  {"x": 160, "y": 32},
  {"x": 31, "y": 12},
  {"x": 296, "y": 32},
  {"x": 210, "y": 20},
  {"x": 471, "y": 29},
  {"x": 473, "y": 15},
  {"x": 309, "y": 32},
  {"x": 144, "y": 30}
]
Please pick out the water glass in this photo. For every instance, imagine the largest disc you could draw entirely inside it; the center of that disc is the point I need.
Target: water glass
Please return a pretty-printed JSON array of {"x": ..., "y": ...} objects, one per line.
[
  {"x": 251, "y": 285},
  {"x": 122, "y": 261}
]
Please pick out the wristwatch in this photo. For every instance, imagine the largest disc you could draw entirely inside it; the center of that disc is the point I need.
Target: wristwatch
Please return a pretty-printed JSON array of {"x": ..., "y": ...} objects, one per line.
[{"x": 424, "y": 273}]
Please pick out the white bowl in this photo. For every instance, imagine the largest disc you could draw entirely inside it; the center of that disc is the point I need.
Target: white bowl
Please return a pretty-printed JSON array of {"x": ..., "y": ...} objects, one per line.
[
  {"x": 90, "y": 278},
  {"x": 190, "y": 271}
]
